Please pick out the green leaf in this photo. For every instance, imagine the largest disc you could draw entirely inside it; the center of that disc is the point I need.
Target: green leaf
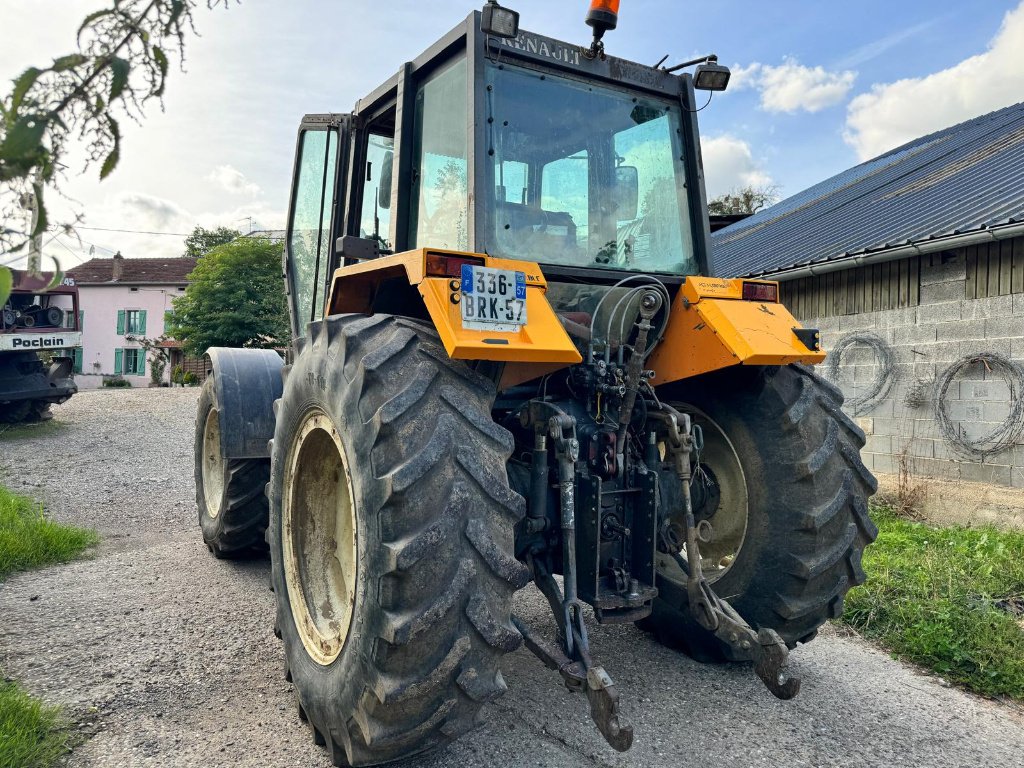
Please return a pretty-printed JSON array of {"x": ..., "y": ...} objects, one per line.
[
  {"x": 58, "y": 274},
  {"x": 177, "y": 7},
  {"x": 161, "y": 61},
  {"x": 90, "y": 19},
  {"x": 110, "y": 163},
  {"x": 64, "y": 63},
  {"x": 25, "y": 81},
  {"x": 119, "y": 70},
  {"x": 115, "y": 154},
  {"x": 6, "y": 283},
  {"x": 24, "y": 139},
  {"x": 42, "y": 220}
]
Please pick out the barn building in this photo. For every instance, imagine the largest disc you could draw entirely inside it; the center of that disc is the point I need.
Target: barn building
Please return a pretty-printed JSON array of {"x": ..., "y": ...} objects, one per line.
[{"x": 912, "y": 266}]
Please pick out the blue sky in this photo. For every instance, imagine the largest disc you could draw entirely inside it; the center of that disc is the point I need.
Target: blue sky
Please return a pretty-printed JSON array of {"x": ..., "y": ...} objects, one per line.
[{"x": 819, "y": 86}]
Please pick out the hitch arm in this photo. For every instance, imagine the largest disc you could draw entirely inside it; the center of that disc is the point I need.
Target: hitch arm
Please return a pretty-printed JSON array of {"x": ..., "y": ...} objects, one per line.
[
  {"x": 572, "y": 661},
  {"x": 764, "y": 647}
]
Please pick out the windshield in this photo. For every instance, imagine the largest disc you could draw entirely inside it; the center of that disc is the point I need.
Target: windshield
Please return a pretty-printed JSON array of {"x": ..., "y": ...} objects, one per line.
[{"x": 586, "y": 176}]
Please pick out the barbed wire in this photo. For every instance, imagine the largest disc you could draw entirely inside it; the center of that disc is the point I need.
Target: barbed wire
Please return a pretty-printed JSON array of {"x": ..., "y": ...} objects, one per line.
[
  {"x": 885, "y": 370},
  {"x": 1003, "y": 436}
]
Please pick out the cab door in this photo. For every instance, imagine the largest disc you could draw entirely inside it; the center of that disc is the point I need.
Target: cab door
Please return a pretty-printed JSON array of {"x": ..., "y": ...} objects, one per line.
[{"x": 314, "y": 215}]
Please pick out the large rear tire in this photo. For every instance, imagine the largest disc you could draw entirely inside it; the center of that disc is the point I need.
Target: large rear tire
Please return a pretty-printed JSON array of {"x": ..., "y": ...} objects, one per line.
[
  {"x": 806, "y": 500},
  {"x": 230, "y": 493},
  {"x": 381, "y": 434},
  {"x": 16, "y": 412}
]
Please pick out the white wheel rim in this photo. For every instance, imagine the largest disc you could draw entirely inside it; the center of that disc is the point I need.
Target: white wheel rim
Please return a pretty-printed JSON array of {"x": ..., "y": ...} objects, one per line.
[
  {"x": 318, "y": 536},
  {"x": 213, "y": 464}
]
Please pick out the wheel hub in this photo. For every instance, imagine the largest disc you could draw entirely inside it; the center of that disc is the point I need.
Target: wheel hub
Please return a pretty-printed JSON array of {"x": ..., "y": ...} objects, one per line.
[
  {"x": 318, "y": 535},
  {"x": 719, "y": 500}
]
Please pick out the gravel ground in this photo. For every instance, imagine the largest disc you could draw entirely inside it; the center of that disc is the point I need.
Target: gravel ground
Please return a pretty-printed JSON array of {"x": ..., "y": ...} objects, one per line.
[{"x": 165, "y": 656}]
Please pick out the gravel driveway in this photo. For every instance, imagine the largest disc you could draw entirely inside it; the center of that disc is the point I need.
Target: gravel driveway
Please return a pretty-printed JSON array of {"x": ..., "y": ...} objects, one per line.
[{"x": 165, "y": 656}]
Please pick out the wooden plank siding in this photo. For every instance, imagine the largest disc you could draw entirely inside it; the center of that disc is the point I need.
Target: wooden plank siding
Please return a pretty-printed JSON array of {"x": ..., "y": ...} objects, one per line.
[
  {"x": 995, "y": 269},
  {"x": 871, "y": 288},
  {"x": 992, "y": 269}
]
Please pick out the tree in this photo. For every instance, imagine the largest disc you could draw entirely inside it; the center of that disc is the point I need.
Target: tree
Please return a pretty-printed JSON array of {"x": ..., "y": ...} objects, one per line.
[
  {"x": 122, "y": 60},
  {"x": 202, "y": 240},
  {"x": 746, "y": 200},
  {"x": 235, "y": 298}
]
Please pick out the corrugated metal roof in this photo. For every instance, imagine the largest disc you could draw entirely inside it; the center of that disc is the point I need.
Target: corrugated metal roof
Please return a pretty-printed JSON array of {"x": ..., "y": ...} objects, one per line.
[{"x": 961, "y": 179}]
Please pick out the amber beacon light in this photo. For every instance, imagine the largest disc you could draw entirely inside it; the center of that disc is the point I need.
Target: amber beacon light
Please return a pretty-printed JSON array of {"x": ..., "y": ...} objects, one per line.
[{"x": 603, "y": 17}]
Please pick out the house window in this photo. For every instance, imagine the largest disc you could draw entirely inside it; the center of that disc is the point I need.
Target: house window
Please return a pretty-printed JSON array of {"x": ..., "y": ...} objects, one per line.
[
  {"x": 130, "y": 362},
  {"x": 131, "y": 322}
]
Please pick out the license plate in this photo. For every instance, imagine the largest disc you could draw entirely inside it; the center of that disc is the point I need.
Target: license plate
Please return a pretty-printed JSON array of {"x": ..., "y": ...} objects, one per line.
[{"x": 493, "y": 299}]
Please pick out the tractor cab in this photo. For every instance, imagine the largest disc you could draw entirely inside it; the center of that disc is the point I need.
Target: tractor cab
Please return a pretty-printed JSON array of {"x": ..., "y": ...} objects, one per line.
[{"x": 503, "y": 142}]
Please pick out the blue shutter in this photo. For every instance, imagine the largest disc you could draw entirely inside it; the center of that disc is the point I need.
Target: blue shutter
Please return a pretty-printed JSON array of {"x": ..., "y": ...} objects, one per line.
[
  {"x": 81, "y": 319},
  {"x": 118, "y": 358},
  {"x": 77, "y": 354},
  {"x": 120, "y": 322},
  {"x": 140, "y": 362},
  {"x": 142, "y": 322}
]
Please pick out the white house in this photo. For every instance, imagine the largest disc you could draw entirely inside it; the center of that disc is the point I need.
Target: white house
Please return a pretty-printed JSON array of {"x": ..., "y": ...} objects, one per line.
[{"x": 121, "y": 300}]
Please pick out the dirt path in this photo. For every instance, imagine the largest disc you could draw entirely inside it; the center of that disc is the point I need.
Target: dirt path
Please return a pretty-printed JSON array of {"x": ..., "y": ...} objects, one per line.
[{"x": 166, "y": 656}]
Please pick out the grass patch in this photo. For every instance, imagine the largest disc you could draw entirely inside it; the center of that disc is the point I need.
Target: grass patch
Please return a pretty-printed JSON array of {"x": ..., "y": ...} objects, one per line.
[
  {"x": 29, "y": 540},
  {"x": 32, "y": 735},
  {"x": 949, "y": 599}
]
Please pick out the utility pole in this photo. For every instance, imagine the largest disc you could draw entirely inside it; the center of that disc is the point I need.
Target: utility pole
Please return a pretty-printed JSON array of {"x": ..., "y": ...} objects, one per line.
[{"x": 30, "y": 202}]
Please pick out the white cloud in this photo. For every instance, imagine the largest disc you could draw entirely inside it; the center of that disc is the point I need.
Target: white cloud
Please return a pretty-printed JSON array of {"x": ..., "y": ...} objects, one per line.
[
  {"x": 792, "y": 87},
  {"x": 895, "y": 113},
  {"x": 729, "y": 165},
  {"x": 137, "y": 214},
  {"x": 234, "y": 181}
]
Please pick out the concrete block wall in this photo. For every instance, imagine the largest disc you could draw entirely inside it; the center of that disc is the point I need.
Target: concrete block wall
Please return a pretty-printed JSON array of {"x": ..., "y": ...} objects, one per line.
[{"x": 925, "y": 340}]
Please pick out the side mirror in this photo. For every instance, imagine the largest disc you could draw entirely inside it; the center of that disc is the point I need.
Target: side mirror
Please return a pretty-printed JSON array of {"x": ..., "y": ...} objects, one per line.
[
  {"x": 384, "y": 187},
  {"x": 627, "y": 192}
]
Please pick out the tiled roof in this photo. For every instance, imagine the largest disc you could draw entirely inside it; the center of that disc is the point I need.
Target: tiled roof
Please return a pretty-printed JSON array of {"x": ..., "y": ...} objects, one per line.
[
  {"x": 169, "y": 271},
  {"x": 961, "y": 179}
]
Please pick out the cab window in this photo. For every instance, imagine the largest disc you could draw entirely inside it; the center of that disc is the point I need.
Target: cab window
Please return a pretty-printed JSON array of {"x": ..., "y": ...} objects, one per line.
[
  {"x": 309, "y": 229},
  {"x": 440, "y": 184},
  {"x": 375, "y": 218}
]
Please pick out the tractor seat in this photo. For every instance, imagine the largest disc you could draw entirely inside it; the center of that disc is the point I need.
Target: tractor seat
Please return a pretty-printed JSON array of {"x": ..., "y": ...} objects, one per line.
[{"x": 528, "y": 229}]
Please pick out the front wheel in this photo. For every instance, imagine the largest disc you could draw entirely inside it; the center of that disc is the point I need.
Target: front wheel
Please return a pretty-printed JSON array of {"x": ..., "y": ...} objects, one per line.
[
  {"x": 391, "y": 535},
  {"x": 785, "y": 496},
  {"x": 230, "y": 493}
]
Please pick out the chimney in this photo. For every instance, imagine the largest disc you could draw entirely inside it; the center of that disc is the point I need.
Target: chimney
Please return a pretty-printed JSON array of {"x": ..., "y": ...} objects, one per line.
[{"x": 117, "y": 267}]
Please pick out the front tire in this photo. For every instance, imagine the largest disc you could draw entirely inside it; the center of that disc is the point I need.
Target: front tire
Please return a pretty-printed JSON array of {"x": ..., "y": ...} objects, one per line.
[
  {"x": 394, "y": 653},
  {"x": 230, "y": 493},
  {"x": 806, "y": 500}
]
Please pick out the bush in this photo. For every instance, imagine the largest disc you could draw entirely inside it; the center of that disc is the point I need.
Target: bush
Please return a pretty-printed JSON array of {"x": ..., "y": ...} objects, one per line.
[
  {"x": 157, "y": 366},
  {"x": 116, "y": 382},
  {"x": 190, "y": 379},
  {"x": 177, "y": 375}
]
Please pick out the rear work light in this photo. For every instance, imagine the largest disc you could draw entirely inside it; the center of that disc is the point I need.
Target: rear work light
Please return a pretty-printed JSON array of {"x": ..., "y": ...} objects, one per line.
[
  {"x": 445, "y": 265},
  {"x": 499, "y": 22},
  {"x": 761, "y": 292}
]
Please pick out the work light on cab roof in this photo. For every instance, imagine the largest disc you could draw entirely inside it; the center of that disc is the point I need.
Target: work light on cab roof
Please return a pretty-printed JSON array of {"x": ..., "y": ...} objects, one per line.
[{"x": 498, "y": 21}]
